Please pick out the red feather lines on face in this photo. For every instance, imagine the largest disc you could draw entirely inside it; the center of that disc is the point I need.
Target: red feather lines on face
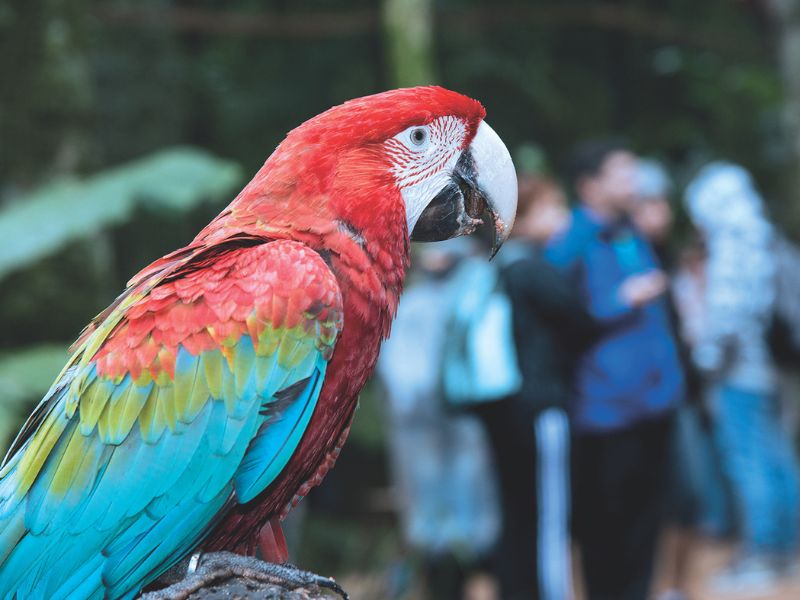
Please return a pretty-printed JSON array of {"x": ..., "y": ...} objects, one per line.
[{"x": 448, "y": 135}]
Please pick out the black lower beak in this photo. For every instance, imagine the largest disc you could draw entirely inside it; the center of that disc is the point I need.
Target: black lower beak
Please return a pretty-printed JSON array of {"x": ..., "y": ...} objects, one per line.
[{"x": 456, "y": 210}]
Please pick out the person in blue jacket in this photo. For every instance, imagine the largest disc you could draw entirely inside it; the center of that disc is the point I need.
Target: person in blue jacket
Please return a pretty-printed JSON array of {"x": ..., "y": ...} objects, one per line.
[{"x": 627, "y": 385}]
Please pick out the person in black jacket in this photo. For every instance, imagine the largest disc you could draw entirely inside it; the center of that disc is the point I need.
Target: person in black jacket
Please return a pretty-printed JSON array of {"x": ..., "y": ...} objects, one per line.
[{"x": 529, "y": 431}]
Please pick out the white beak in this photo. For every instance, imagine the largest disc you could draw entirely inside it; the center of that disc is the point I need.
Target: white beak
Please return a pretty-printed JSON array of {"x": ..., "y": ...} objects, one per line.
[
  {"x": 496, "y": 179},
  {"x": 483, "y": 180}
]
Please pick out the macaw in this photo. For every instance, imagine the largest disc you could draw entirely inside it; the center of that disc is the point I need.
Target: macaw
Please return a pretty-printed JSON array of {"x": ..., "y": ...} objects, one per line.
[{"x": 219, "y": 387}]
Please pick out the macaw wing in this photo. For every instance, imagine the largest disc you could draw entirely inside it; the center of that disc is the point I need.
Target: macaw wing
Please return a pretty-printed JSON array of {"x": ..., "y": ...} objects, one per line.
[{"x": 194, "y": 400}]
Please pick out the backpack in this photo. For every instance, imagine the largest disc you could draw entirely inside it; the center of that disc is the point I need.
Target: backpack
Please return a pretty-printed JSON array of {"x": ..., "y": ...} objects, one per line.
[
  {"x": 479, "y": 361},
  {"x": 784, "y": 332}
]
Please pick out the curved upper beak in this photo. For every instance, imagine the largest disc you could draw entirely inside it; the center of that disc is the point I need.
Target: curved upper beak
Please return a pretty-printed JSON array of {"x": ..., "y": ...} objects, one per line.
[
  {"x": 483, "y": 181},
  {"x": 496, "y": 180}
]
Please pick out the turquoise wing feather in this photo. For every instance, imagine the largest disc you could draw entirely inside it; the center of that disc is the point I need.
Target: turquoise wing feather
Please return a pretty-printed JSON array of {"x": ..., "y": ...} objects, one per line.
[{"x": 122, "y": 471}]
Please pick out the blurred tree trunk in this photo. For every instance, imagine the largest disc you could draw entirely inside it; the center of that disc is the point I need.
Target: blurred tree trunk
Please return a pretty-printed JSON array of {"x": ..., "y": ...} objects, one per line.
[
  {"x": 408, "y": 27},
  {"x": 786, "y": 15}
]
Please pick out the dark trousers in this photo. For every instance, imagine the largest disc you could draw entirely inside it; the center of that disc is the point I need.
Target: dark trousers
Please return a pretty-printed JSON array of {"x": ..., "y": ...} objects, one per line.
[
  {"x": 620, "y": 492},
  {"x": 532, "y": 462},
  {"x": 446, "y": 577}
]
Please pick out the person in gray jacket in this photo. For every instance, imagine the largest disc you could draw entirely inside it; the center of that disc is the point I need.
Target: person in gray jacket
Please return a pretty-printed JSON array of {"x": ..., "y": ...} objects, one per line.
[
  {"x": 440, "y": 461},
  {"x": 733, "y": 351}
]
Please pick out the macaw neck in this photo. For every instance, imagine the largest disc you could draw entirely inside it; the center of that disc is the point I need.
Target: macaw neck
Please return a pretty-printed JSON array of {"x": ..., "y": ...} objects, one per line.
[
  {"x": 371, "y": 270},
  {"x": 360, "y": 230}
]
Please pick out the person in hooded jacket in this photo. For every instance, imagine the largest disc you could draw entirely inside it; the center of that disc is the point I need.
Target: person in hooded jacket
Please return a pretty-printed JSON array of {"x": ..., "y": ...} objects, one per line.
[{"x": 739, "y": 299}]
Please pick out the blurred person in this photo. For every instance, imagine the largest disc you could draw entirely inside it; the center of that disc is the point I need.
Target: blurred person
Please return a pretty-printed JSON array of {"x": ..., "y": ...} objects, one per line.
[
  {"x": 695, "y": 499},
  {"x": 689, "y": 284},
  {"x": 651, "y": 213},
  {"x": 628, "y": 383},
  {"x": 440, "y": 461},
  {"x": 650, "y": 209},
  {"x": 739, "y": 298},
  {"x": 529, "y": 430},
  {"x": 700, "y": 466}
]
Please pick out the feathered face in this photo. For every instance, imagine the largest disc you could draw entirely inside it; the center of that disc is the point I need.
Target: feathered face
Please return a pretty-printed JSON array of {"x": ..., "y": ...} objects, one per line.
[
  {"x": 449, "y": 177},
  {"x": 426, "y": 150}
]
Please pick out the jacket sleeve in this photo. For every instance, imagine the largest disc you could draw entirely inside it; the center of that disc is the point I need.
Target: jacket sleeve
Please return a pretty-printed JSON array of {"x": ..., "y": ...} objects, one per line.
[
  {"x": 609, "y": 308},
  {"x": 551, "y": 294},
  {"x": 566, "y": 254}
]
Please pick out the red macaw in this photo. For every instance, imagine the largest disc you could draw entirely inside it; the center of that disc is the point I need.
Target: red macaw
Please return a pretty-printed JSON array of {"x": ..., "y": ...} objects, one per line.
[{"x": 220, "y": 386}]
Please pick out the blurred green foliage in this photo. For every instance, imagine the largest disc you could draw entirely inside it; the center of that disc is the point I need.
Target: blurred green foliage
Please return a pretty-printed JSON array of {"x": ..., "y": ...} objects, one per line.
[
  {"x": 25, "y": 373},
  {"x": 172, "y": 180},
  {"x": 705, "y": 83}
]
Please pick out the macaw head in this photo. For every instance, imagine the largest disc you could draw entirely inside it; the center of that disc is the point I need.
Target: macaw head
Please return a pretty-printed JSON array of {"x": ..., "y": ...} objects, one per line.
[{"x": 421, "y": 160}]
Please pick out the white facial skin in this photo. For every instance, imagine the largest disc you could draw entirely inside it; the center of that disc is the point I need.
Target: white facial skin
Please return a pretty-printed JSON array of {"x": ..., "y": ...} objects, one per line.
[{"x": 425, "y": 156}]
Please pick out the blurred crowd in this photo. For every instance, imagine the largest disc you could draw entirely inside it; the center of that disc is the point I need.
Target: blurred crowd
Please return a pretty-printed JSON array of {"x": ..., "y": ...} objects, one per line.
[{"x": 601, "y": 389}]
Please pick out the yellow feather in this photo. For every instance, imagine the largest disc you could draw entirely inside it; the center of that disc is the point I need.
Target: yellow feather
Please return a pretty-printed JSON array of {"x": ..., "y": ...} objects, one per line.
[
  {"x": 191, "y": 391},
  {"x": 268, "y": 341},
  {"x": 123, "y": 414},
  {"x": 212, "y": 365},
  {"x": 167, "y": 411},
  {"x": 149, "y": 425},
  {"x": 229, "y": 391},
  {"x": 38, "y": 451},
  {"x": 92, "y": 403},
  {"x": 243, "y": 370},
  {"x": 287, "y": 348},
  {"x": 67, "y": 471}
]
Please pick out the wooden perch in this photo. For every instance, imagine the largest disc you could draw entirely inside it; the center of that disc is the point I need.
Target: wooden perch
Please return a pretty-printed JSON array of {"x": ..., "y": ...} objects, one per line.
[
  {"x": 227, "y": 576},
  {"x": 244, "y": 588}
]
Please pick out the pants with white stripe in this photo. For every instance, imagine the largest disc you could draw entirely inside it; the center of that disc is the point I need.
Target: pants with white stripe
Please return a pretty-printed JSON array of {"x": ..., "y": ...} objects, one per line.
[{"x": 533, "y": 466}]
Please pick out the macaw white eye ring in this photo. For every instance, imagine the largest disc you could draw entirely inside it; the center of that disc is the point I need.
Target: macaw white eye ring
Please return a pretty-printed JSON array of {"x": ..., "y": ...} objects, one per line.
[{"x": 418, "y": 136}]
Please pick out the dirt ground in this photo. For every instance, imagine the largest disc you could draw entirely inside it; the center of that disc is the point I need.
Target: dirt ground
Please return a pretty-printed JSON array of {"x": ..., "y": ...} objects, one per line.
[{"x": 707, "y": 558}]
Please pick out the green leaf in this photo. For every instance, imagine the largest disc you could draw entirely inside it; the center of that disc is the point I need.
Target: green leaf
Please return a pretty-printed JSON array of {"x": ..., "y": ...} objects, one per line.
[
  {"x": 172, "y": 180},
  {"x": 25, "y": 376}
]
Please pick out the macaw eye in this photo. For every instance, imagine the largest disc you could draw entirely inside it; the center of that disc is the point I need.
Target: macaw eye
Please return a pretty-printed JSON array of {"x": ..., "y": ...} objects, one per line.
[{"x": 418, "y": 136}]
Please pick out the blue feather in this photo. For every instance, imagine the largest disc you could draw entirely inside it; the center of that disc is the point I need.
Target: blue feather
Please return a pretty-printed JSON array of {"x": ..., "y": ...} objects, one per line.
[
  {"x": 278, "y": 439},
  {"x": 150, "y": 499}
]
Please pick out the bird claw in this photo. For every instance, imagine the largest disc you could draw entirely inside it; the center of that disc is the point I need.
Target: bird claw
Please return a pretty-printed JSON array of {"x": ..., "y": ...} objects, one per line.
[{"x": 215, "y": 567}]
